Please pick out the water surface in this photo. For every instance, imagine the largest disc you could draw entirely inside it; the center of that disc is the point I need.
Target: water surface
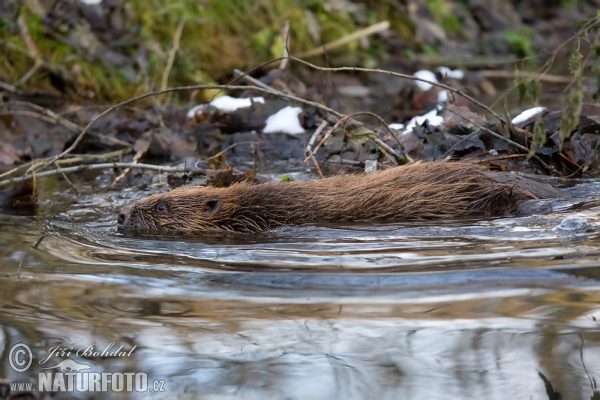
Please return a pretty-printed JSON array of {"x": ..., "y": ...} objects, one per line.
[{"x": 477, "y": 308}]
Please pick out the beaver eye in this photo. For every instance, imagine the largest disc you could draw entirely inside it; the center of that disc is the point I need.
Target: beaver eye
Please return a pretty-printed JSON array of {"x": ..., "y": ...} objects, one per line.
[{"x": 161, "y": 207}]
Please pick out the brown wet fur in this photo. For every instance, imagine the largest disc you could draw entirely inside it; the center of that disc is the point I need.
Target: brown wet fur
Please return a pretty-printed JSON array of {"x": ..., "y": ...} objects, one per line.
[{"x": 415, "y": 192}]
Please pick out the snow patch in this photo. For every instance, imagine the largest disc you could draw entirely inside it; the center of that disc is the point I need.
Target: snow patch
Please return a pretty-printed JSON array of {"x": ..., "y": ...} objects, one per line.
[
  {"x": 396, "y": 126},
  {"x": 451, "y": 73},
  {"x": 227, "y": 104},
  {"x": 434, "y": 120},
  {"x": 427, "y": 75},
  {"x": 442, "y": 96},
  {"x": 230, "y": 104},
  {"x": 525, "y": 115},
  {"x": 285, "y": 120}
]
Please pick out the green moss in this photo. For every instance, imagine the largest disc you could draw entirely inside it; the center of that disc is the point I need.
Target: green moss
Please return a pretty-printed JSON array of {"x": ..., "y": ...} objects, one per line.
[
  {"x": 218, "y": 36},
  {"x": 519, "y": 41},
  {"x": 442, "y": 12}
]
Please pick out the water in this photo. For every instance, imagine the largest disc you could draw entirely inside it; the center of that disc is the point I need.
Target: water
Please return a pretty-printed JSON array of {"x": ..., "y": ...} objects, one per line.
[{"x": 477, "y": 308}]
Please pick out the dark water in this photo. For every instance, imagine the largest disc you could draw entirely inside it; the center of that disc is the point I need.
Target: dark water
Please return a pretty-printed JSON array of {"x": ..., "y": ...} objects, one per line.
[{"x": 472, "y": 309}]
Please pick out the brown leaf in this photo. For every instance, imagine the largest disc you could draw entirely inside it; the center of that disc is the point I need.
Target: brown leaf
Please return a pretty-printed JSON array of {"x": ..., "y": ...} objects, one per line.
[
  {"x": 461, "y": 115},
  {"x": 8, "y": 154}
]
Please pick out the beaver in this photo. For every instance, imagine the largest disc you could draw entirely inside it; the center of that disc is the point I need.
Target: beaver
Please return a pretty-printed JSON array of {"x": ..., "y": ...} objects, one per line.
[{"x": 413, "y": 192}]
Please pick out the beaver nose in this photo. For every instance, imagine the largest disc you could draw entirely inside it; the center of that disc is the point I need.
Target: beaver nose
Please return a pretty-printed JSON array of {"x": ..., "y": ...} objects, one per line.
[{"x": 123, "y": 214}]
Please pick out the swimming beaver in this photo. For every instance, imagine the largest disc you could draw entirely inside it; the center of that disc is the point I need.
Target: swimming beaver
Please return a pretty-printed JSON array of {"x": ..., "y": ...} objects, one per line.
[{"x": 419, "y": 191}]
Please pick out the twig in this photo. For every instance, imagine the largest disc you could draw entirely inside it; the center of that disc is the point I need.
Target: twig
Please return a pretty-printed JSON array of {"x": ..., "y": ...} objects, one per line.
[
  {"x": 376, "y": 28},
  {"x": 314, "y": 151},
  {"x": 314, "y": 160},
  {"x": 29, "y": 114},
  {"x": 50, "y": 116},
  {"x": 497, "y": 135},
  {"x": 88, "y": 157},
  {"x": 172, "y": 53},
  {"x": 31, "y": 47},
  {"x": 66, "y": 178},
  {"x": 390, "y": 151},
  {"x": 414, "y": 78},
  {"x": 550, "y": 61},
  {"x": 382, "y": 122},
  {"x": 88, "y": 167},
  {"x": 505, "y": 157},
  {"x": 345, "y": 161},
  {"x": 7, "y": 87},
  {"x": 504, "y": 74},
  {"x": 136, "y": 159},
  {"x": 378, "y": 142},
  {"x": 313, "y": 138},
  {"x": 583, "y": 362},
  {"x": 46, "y": 112},
  {"x": 50, "y": 160},
  {"x": 229, "y": 148},
  {"x": 286, "y": 52},
  {"x": 312, "y": 141},
  {"x": 253, "y": 81},
  {"x": 28, "y": 74}
]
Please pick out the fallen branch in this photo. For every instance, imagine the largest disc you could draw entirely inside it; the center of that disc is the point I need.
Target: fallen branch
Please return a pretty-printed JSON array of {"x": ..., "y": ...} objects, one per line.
[
  {"x": 376, "y": 28},
  {"x": 89, "y": 167},
  {"x": 497, "y": 135},
  {"x": 503, "y": 74}
]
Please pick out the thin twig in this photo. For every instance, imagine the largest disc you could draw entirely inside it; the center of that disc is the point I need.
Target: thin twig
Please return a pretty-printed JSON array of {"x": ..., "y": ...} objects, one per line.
[
  {"x": 29, "y": 114},
  {"x": 172, "y": 53},
  {"x": 88, "y": 167},
  {"x": 498, "y": 158},
  {"x": 52, "y": 117},
  {"x": 314, "y": 151},
  {"x": 497, "y": 135},
  {"x": 313, "y": 138},
  {"x": 60, "y": 170},
  {"x": 286, "y": 38},
  {"x": 136, "y": 159},
  {"x": 43, "y": 164},
  {"x": 253, "y": 81},
  {"x": 504, "y": 74},
  {"x": 90, "y": 157},
  {"x": 543, "y": 70},
  {"x": 312, "y": 141},
  {"x": 414, "y": 78},
  {"x": 376, "y": 28},
  {"x": 314, "y": 160},
  {"x": 229, "y": 148},
  {"x": 31, "y": 47},
  {"x": 7, "y": 87},
  {"x": 382, "y": 122}
]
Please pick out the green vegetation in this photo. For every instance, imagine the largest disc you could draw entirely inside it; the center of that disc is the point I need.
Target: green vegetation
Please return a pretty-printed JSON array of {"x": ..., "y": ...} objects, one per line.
[
  {"x": 217, "y": 37},
  {"x": 520, "y": 43},
  {"x": 444, "y": 14}
]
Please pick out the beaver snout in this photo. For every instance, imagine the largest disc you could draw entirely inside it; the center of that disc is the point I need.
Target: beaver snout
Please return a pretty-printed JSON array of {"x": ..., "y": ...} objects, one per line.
[{"x": 123, "y": 216}]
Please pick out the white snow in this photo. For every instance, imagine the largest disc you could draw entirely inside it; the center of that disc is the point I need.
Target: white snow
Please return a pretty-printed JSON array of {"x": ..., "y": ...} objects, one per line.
[
  {"x": 90, "y": 2},
  {"x": 451, "y": 73},
  {"x": 442, "y": 97},
  {"x": 230, "y": 104},
  {"x": 525, "y": 115},
  {"x": 285, "y": 120},
  {"x": 227, "y": 104},
  {"x": 396, "y": 126},
  {"x": 434, "y": 120},
  {"x": 193, "y": 111},
  {"x": 425, "y": 74}
]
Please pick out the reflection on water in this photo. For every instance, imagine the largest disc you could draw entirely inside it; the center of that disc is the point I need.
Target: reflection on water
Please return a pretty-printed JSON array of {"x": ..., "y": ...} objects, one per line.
[{"x": 495, "y": 309}]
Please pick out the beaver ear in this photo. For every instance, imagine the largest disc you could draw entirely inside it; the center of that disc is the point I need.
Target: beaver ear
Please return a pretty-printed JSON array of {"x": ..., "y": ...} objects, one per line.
[{"x": 212, "y": 206}]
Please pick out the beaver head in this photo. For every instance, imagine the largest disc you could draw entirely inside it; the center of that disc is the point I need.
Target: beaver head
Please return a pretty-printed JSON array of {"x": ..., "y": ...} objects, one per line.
[{"x": 179, "y": 211}]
